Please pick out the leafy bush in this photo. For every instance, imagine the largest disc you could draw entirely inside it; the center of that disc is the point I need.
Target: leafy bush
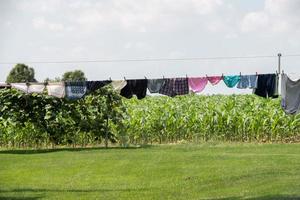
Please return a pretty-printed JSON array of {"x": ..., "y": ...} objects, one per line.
[{"x": 37, "y": 119}]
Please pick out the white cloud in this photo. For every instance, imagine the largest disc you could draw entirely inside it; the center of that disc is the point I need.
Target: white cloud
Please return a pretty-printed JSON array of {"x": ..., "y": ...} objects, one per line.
[
  {"x": 129, "y": 14},
  {"x": 8, "y": 23},
  {"x": 277, "y": 16},
  {"x": 216, "y": 25},
  {"x": 56, "y": 27},
  {"x": 91, "y": 17},
  {"x": 39, "y": 6},
  {"x": 163, "y": 15},
  {"x": 282, "y": 7},
  {"x": 255, "y": 21},
  {"x": 231, "y": 36},
  {"x": 41, "y": 23},
  {"x": 139, "y": 45},
  {"x": 206, "y": 6}
]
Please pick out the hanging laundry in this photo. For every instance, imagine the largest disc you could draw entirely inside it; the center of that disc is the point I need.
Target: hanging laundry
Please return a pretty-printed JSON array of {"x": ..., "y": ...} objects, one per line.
[
  {"x": 244, "y": 82},
  {"x": 290, "y": 93},
  {"x": 181, "y": 86},
  {"x": 247, "y": 81},
  {"x": 214, "y": 80},
  {"x": 231, "y": 81},
  {"x": 20, "y": 86},
  {"x": 36, "y": 88},
  {"x": 253, "y": 81},
  {"x": 137, "y": 87},
  {"x": 293, "y": 76},
  {"x": 92, "y": 86},
  {"x": 267, "y": 85},
  {"x": 56, "y": 89},
  {"x": 4, "y": 86},
  {"x": 276, "y": 92},
  {"x": 167, "y": 88},
  {"x": 175, "y": 86},
  {"x": 197, "y": 84},
  {"x": 75, "y": 89},
  {"x": 118, "y": 85},
  {"x": 154, "y": 85}
]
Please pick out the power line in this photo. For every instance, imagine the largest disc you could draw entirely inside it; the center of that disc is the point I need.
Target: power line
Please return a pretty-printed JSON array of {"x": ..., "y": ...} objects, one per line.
[
  {"x": 291, "y": 55},
  {"x": 139, "y": 60},
  {"x": 150, "y": 59}
]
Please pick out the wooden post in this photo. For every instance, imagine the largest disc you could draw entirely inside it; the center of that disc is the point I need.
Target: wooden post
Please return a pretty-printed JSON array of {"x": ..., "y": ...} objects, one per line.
[
  {"x": 106, "y": 132},
  {"x": 107, "y": 118}
]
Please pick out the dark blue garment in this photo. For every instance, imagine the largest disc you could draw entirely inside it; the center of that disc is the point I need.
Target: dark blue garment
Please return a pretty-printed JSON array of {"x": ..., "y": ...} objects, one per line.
[
  {"x": 136, "y": 87},
  {"x": 92, "y": 86},
  {"x": 266, "y": 85}
]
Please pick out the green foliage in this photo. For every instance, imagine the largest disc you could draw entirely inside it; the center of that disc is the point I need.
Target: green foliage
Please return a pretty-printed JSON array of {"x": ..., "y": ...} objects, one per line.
[
  {"x": 199, "y": 118},
  {"x": 56, "y": 79},
  {"x": 35, "y": 120},
  {"x": 76, "y": 75},
  {"x": 21, "y": 73}
]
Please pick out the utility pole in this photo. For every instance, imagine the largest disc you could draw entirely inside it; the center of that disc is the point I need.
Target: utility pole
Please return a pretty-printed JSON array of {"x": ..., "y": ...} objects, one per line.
[{"x": 279, "y": 63}]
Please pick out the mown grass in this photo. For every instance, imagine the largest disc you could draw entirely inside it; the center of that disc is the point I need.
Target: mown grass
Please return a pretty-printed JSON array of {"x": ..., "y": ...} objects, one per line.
[{"x": 220, "y": 171}]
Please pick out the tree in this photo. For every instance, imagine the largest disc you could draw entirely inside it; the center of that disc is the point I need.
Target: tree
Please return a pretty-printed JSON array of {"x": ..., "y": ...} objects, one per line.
[
  {"x": 49, "y": 80},
  {"x": 21, "y": 73},
  {"x": 76, "y": 75}
]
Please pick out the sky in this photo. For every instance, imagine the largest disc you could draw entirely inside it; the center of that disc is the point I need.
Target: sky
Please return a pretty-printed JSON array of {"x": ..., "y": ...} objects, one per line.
[{"x": 72, "y": 30}]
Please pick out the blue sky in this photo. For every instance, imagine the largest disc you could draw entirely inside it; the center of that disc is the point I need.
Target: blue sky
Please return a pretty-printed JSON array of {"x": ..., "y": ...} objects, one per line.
[{"x": 57, "y": 30}]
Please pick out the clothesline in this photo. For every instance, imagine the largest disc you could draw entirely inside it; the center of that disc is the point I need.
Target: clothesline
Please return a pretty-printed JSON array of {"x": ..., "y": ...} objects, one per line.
[
  {"x": 152, "y": 59},
  {"x": 264, "y": 85},
  {"x": 128, "y": 87},
  {"x": 3, "y": 84}
]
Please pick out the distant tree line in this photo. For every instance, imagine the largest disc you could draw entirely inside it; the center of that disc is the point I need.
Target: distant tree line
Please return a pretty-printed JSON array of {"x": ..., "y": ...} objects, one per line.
[{"x": 22, "y": 73}]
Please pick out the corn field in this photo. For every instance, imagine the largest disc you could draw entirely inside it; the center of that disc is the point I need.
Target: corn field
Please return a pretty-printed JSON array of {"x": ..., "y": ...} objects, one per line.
[
  {"x": 40, "y": 121},
  {"x": 196, "y": 118}
]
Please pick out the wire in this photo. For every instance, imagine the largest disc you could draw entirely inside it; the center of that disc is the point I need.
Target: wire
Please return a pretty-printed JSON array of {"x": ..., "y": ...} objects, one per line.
[
  {"x": 292, "y": 55},
  {"x": 150, "y": 59},
  {"x": 140, "y": 60}
]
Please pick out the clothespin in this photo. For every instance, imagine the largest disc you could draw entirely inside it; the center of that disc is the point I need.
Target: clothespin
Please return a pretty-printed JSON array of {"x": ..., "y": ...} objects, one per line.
[
  {"x": 282, "y": 71},
  {"x": 222, "y": 75},
  {"x": 124, "y": 78},
  {"x": 110, "y": 78},
  {"x": 240, "y": 73},
  {"x": 163, "y": 77},
  {"x": 145, "y": 77},
  {"x": 206, "y": 75},
  {"x": 256, "y": 73}
]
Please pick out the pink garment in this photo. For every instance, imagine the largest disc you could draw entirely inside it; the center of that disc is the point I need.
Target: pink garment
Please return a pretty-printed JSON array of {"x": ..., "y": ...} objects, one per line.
[
  {"x": 197, "y": 84},
  {"x": 214, "y": 80}
]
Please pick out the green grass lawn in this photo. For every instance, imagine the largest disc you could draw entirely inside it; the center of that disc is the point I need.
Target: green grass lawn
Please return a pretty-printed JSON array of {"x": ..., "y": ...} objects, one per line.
[{"x": 223, "y": 171}]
